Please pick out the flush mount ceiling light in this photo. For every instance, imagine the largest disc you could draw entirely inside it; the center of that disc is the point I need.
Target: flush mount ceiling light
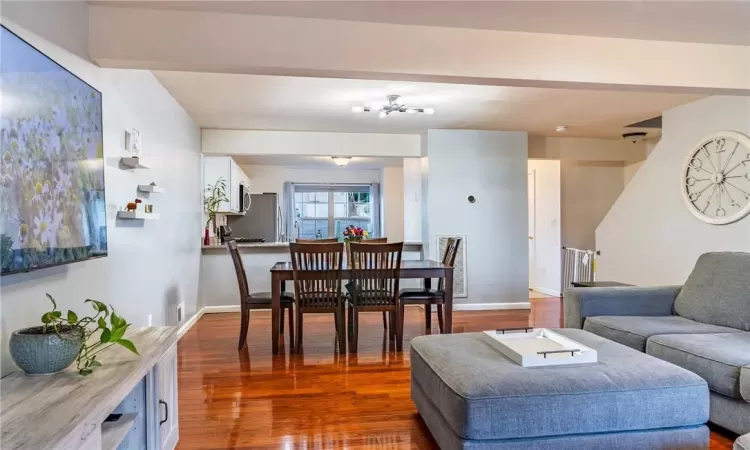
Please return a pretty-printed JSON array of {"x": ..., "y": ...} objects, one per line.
[
  {"x": 340, "y": 161},
  {"x": 395, "y": 105},
  {"x": 562, "y": 129}
]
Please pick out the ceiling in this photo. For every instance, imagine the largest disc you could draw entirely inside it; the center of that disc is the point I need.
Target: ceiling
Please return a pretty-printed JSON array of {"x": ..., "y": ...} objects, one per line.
[
  {"x": 317, "y": 162},
  {"x": 716, "y": 22},
  {"x": 235, "y": 101}
]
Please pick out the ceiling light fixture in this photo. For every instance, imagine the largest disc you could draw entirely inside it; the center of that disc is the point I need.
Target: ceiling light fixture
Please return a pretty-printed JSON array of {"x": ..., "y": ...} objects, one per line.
[
  {"x": 395, "y": 104},
  {"x": 340, "y": 161},
  {"x": 561, "y": 128}
]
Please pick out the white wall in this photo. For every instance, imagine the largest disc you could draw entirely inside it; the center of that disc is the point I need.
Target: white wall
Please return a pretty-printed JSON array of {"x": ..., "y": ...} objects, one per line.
[
  {"x": 492, "y": 167},
  {"x": 546, "y": 276},
  {"x": 305, "y": 143},
  {"x": 392, "y": 203},
  {"x": 412, "y": 199},
  {"x": 151, "y": 266},
  {"x": 649, "y": 237}
]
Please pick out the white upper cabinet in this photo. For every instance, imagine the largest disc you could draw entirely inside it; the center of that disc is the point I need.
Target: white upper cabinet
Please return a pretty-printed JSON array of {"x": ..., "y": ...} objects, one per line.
[{"x": 224, "y": 167}]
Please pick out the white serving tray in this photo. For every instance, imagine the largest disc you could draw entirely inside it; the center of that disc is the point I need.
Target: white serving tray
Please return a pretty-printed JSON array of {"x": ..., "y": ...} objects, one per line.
[{"x": 532, "y": 347}]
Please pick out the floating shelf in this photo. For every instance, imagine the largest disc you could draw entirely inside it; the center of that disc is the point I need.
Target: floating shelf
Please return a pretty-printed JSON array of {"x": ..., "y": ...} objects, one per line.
[
  {"x": 151, "y": 188},
  {"x": 133, "y": 163},
  {"x": 140, "y": 215},
  {"x": 114, "y": 432}
]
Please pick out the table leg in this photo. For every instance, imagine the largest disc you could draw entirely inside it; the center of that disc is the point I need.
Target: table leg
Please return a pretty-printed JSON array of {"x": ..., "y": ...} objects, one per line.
[
  {"x": 448, "y": 312},
  {"x": 275, "y": 312},
  {"x": 428, "y": 308}
]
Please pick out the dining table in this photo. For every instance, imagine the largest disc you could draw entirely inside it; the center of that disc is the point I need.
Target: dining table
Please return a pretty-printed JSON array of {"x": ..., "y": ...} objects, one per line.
[{"x": 281, "y": 272}]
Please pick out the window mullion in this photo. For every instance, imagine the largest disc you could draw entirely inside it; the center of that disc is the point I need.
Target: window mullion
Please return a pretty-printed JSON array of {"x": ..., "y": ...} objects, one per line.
[{"x": 331, "y": 221}]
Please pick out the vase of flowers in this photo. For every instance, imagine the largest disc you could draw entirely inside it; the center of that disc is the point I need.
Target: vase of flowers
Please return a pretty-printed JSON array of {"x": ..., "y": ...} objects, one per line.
[{"x": 353, "y": 234}]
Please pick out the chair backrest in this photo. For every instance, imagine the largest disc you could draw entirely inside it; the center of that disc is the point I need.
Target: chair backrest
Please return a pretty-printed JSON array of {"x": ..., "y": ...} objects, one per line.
[
  {"x": 239, "y": 269},
  {"x": 380, "y": 240},
  {"x": 449, "y": 257},
  {"x": 317, "y": 274},
  {"x": 317, "y": 241},
  {"x": 375, "y": 273}
]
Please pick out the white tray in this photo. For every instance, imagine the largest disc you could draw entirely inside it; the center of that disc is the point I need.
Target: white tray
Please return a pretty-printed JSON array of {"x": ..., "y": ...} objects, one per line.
[{"x": 531, "y": 348}]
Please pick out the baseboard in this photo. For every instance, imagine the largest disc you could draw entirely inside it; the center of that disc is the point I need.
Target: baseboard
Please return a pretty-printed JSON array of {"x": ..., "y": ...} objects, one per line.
[
  {"x": 490, "y": 306},
  {"x": 221, "y": 309},
  {"x": 550, "y": 292},
  {"x": 185, "y": 326}
]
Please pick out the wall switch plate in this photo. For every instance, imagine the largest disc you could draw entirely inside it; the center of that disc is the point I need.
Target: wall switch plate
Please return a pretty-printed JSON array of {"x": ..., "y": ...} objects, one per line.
[
  {"x": 150, "y": 320},
  {"x": 133, "y": 141}
]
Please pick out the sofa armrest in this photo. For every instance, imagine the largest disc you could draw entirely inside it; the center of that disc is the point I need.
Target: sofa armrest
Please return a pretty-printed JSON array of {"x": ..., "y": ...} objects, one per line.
[
  {"x": 745, "y": 383},
  {"x": 580, "y": 303}
]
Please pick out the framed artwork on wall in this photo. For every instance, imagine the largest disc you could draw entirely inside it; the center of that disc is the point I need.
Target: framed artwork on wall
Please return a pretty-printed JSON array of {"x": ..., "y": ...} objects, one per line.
[{"x": 460, "y": 284}]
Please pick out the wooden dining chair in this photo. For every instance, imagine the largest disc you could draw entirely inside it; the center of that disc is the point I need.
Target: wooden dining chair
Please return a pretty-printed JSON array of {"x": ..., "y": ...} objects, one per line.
[
  {"x": 317, "y": 241},
  {"x": 257, "y": 300},
  {"x": 374, "y": 286},
  {"x": 317, "y": 285},
  {"x": 429, "y": 297},
  {"x": 380, "y": 240}
]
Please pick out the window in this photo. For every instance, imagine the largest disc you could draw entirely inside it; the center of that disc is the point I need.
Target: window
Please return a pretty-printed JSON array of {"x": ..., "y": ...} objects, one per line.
[{"x": 323, "y": 211}]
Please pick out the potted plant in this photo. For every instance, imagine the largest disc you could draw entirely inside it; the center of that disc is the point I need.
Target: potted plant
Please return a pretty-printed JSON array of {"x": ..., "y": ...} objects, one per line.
[
  {"x": 59, "y": 341},
  {"x": 353, "y": 234},
  {"x": 216, "y": 194}
]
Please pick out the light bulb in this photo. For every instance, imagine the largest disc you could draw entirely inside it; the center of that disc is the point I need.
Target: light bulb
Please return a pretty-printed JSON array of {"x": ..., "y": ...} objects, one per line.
[
  {"x": 429, "y": 111},
  {"x": 340, "y": 161},
  {"x": 383, "y": 114},
  {"x": 358, "y": 109},
  {"x": 411, "y": 111}
]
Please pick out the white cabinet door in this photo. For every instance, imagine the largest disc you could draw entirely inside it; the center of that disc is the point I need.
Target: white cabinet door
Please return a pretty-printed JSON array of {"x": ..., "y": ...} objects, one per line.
[{"x": 169, "y": 431}]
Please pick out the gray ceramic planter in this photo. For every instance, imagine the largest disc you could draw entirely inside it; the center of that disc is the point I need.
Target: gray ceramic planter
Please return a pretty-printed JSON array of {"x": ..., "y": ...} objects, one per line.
[{"x": 41, "y": 354}]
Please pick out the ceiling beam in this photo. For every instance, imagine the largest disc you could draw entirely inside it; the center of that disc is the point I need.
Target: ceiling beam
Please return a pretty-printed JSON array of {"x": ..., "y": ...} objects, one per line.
[{"x": 236, "y": 43}]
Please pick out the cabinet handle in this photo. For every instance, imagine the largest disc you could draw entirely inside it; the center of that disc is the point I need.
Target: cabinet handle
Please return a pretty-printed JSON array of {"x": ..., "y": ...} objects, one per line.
[{"x": 166, "y": 411}]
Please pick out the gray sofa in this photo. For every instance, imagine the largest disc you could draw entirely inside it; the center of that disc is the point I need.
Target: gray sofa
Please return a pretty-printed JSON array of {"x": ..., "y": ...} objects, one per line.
[{"x": 703, "y": 326}]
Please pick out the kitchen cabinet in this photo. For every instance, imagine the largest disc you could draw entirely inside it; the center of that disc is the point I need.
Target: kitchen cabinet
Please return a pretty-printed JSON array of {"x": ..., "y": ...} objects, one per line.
[
  {"x": 166, "y": 371},
  {"x": 224, "y": 167}
]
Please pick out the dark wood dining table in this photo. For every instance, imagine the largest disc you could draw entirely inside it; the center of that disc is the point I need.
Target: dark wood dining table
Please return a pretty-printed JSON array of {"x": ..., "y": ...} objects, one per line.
[{"x": 281, "y": 272}]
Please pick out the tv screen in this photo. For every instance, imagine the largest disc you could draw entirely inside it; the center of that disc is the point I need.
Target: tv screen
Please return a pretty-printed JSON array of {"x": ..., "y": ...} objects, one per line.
[{"x": 51, "y": 162}]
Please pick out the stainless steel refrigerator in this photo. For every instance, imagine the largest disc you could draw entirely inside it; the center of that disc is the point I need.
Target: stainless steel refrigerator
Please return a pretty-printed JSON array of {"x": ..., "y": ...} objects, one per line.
[{"x": 262, "y": 221}]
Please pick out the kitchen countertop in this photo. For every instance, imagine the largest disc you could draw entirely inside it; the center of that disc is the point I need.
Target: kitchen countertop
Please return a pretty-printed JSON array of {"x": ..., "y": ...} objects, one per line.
[{"x": 279, "y": 245}]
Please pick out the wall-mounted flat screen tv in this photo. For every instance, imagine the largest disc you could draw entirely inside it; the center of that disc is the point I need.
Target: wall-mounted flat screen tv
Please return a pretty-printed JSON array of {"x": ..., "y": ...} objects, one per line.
[{"x": 51, "y": 162}]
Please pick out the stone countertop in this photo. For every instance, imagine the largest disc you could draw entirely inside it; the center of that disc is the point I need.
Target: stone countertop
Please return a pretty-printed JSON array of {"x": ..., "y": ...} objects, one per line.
[
  {"x": 262, "y": 245},
  {"x": 59, "y": 411}
]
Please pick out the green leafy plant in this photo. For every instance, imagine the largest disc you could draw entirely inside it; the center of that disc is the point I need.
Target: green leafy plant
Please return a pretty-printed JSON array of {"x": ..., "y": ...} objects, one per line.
[
  {"x": 110, "y": 326},
  {"x": 216, "y": 194}
]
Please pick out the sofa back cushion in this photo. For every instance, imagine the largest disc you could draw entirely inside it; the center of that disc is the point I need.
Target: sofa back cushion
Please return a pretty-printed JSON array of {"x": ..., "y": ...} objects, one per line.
[{"x": 718, "y": 291}]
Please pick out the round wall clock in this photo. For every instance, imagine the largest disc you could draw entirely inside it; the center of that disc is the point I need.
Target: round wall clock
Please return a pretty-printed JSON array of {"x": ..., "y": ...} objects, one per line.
[{"x": 715, "y": 181}]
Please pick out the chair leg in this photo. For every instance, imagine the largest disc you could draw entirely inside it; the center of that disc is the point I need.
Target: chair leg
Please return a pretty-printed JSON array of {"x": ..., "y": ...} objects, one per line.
[
  {"x": 355, "y": 330},
  {"x": 440, "y": 317},
  {"x": 245, "y": 323},
  {"x": 291, "y": 327},
  {"x": 281, "y": 321},
  {"x": 427, "y": 318},
  {"x": 392, "y": 324},
  {"x": 400, "y": 328},
  {"x": 298, "y": 345},
  {"x": 385, "y": 325},
  {"x": 341, "y": 330}
]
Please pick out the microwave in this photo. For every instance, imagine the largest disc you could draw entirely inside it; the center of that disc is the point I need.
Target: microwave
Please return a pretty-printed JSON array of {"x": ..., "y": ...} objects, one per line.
[{"x": 244, "y": 199}]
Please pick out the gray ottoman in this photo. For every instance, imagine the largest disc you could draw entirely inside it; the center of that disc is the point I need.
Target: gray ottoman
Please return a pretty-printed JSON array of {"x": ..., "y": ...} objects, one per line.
[{"x": 471, "y": 397}]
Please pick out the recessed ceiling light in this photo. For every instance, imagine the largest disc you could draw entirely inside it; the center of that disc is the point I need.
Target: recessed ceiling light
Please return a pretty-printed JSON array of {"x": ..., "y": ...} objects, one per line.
[
  {"x": 340, "y": 161},
  {"x": 561, "y": 128}
]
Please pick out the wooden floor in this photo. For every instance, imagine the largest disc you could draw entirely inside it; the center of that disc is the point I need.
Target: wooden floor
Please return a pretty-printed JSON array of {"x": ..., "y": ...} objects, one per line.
[{"x": 318, "y": 400}]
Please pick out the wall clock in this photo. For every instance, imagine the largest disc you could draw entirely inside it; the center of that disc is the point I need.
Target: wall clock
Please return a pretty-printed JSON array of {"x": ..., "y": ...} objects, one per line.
[{"x": 715, "y": 180}]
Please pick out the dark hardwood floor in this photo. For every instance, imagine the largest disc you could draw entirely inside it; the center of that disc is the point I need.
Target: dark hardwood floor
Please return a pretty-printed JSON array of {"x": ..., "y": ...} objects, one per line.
[{"x": 317, "y": 400}]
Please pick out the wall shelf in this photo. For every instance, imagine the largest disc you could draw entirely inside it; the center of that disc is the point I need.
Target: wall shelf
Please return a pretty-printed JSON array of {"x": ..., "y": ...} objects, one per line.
[
  {"x": 136, "y": 215},
  {"x": 150, "y": 188},
  {"x": 114, "y": 432},
  {"x": 133, "y": 162}
]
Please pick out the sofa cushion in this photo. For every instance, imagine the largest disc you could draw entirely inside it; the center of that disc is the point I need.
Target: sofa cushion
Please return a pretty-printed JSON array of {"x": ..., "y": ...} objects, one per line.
[
  {"x": 717, "y": 358},
  {"x": 633, "y": 331},
  {"x": 718, "y": 291},
  {"x": 483, "y": 395}
]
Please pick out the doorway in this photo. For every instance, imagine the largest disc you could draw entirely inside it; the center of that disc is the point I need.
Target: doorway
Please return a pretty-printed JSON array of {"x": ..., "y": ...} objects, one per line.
[{"x": 545, "y": 261}]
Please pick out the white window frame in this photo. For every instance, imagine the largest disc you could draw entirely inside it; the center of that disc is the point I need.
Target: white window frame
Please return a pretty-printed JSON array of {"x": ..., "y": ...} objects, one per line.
[{"x": 301, "y": 188}]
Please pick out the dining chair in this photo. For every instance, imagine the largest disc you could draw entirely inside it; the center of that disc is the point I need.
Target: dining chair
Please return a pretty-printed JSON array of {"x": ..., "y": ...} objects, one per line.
[
  {"x": 317, "y": 285},
  {"x": 257, "y": 300},
  {"x": 380, "y": 240},
  {"x": 429, "y": 297},
  {"x": 317, "y": 241},
  {"x": 374, "y": 286}
]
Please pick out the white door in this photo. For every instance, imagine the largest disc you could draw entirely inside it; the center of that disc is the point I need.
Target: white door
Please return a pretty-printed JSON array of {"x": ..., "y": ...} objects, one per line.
[
  {"x": 167, "y": 412},
  {"x": 532, "y": 227}
]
